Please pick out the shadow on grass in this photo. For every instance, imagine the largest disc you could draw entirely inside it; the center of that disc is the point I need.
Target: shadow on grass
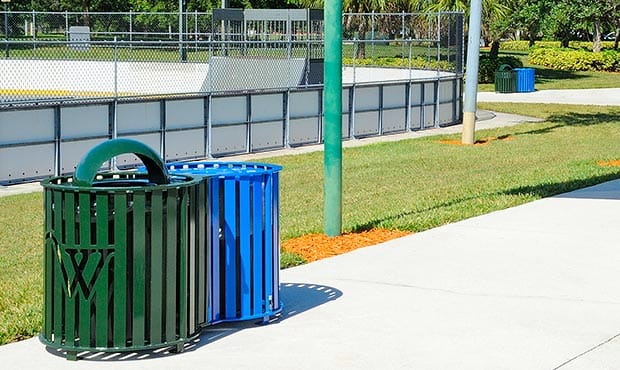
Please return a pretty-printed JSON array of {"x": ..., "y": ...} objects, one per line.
[
  {"x": 575, "y": 119},
  {"x": 296, "y": 297},
  {"x": 544, "y": 75},
  {"x": 538, "y": 191}
]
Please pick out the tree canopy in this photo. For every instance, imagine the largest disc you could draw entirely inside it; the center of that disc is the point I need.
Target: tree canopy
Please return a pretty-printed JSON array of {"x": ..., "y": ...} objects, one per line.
[{"x": 563, "y": 20}]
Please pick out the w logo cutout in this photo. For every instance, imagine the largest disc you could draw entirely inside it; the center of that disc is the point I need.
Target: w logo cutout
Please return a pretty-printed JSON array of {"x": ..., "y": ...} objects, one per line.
[{"x": 80, "y": 268}]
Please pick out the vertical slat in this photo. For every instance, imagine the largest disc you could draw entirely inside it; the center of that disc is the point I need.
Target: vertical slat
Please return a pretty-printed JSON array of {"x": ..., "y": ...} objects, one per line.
[
  {"x": 48, "y": 259},
  {"x": 157, "y": 258},
  {"x": 59, "y": 316},
  {"x": 139, "y": 269},
  {"x": 214, "y": 276},
  {"x": 120, "y": 270},
  {"x": 70, "y": 241},
  {"x": 101, "y": 282},
  {"x": 191, "y": 263},
  {"x": 84, "y": 232},
  {"x": 70, "y": 211},
  {"x": 244, "y": 246},
  {"x": 182, "y": 264},
  {"x": 268, "y": 247},
  {"x": 230, "y": 232},
  {"x": 171, "y": 265},
  {"x": 102, "y": 220},
  {"x": 276, "y": 240},
  {"x": 102, "y": 304},
  {"x": 203, "y": 285},
  {"x": 257, "y": 243},
  {"x": 80, "y": 297}
]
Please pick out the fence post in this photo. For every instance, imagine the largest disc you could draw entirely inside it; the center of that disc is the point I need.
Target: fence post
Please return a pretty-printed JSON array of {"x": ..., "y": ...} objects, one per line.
[
  {"x": 353, "y": 90},
  {"x": 372, "y": 37},
  {"x": 402, "y": 30},
  {"x": 438, "y": 40},
  {"x": 408, "y": 97},
  {"x": 196, "y": 30},
  {"x": 182, "y": 50},
  {"x": 6, "y": 31},
  {"x": 34, "y": 28},
  {"x": 113, "y": 162},
  {"x": 131, "y": 30}
]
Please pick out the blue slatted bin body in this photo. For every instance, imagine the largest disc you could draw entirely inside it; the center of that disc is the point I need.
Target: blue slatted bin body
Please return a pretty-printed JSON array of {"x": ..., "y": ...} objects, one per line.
[
  {"x": 245, "y": 242},
  {"x": 525, "y": 79}
]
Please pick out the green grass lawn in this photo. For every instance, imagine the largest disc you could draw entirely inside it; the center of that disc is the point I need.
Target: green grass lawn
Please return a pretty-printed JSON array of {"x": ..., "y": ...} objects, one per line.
[
  {"x": 550, "y": 79},
  {"x": 412, "y": 185}
]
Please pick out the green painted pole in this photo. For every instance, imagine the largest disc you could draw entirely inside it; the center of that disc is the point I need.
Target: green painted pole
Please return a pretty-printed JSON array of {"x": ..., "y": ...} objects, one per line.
[{"x": 333, "y": 118}]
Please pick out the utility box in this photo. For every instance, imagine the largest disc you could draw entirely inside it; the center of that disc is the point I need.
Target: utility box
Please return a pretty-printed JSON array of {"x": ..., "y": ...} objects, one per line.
[{"x": 79, "y": 37}]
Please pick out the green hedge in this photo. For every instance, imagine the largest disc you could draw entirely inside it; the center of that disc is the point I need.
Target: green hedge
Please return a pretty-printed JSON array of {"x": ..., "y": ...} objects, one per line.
[
  {"x": 488, "y": 66},
  {"x": 575, "y": 60},
  {"x": 416, "y": 62},
  {"x": 524, "y": 45}
]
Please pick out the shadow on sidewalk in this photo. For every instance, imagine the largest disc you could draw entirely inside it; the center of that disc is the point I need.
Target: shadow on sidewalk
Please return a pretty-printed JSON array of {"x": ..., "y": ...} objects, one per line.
[{"x": 296, "y": 297}]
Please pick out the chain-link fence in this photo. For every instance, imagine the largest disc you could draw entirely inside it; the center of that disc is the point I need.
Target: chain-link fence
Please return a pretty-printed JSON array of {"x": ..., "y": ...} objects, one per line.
[{"x": 77, "y": 56}]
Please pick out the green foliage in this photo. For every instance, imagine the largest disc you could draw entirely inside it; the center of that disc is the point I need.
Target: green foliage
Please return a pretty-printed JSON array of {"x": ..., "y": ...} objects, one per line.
[
  {"x": 575, "y": 60},
  {"x": 288, "y": 259},
  {"x": 416, "y": 63},
  {"x": 523, "y": 45},
  {"x": 488, "y": 66}
]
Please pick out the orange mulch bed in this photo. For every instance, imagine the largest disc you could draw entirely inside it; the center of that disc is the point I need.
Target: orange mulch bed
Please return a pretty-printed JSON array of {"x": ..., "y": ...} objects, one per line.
[
  {"x": 483, "y": 141},
  {"x": 614, "y": 163},
  {"x": 316, "y": 246}
]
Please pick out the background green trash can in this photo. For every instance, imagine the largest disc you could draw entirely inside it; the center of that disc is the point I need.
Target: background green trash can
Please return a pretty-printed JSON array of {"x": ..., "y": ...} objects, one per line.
[
  {"x": 120, "y": 257},
  {"x": 505, "y": 79}
]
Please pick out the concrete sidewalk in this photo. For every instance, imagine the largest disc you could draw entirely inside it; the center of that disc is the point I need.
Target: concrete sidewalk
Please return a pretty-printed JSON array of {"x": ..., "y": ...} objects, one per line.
[
  {"x": 609, "y": 96},
  {"x": 531, "y": 287}
]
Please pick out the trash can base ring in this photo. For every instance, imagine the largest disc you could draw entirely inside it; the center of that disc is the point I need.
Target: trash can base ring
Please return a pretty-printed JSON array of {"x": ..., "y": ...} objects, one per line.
[
  {"x": 178, "y": 344},
  {"x": 264, "y": 315}
]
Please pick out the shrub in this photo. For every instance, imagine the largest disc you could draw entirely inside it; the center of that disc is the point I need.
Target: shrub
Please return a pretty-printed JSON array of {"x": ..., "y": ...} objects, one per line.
[
  {"x": 416, "y": 62},
  {"x": 575, "y": 60},
  {"x": 488, "y": 66},
  {"x": 524, "y": 45}
]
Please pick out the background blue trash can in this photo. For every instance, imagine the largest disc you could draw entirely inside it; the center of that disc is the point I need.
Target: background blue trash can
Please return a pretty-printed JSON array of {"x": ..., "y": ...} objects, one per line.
[
  {"x": 525, "y": 79},
  {"x": 244, "y": 251}
]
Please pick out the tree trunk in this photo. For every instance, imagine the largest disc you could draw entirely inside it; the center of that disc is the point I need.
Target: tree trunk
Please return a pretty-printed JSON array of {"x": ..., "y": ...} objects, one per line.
[
  {"x": 565, "y": 42},
  {"x": 596, "y": 43},
  {"x": 361, "y": 31},
  {"x": 494, "y": 53},
  {"x": 532, "y": 40}
]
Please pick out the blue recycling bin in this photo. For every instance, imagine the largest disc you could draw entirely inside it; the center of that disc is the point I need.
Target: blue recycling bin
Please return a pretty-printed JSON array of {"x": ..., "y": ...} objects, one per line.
[
  {"x": 243, "y": 251},
  {"x": 525, "y": 79}
]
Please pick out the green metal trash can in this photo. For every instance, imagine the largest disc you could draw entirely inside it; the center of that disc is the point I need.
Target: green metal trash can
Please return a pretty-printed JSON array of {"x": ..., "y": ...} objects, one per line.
[
  {"x": 120, "y": 259},
  {"x": 505, "y": 79}
]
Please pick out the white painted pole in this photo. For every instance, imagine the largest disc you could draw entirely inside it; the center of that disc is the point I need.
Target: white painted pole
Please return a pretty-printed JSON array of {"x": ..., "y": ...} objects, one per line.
[{"x": 471, "y": 79}]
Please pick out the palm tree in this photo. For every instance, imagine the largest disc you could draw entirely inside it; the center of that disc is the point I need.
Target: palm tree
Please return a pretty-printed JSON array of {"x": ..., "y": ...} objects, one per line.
[
  {"x": 353, "y": 21},
  {"x": 493, "y": 11}
]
